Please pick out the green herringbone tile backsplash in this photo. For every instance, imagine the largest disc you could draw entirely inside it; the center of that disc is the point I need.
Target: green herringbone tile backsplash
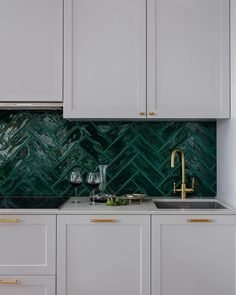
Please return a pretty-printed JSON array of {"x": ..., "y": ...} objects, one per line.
[{"x": 39, "y": 149}]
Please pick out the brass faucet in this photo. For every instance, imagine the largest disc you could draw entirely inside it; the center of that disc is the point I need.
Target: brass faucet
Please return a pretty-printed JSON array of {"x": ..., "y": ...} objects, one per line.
[{"x": 183, "y": 188}]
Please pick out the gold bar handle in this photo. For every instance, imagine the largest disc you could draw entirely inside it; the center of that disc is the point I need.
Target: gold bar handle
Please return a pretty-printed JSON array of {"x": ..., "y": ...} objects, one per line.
[
  {"x": 14, "y": 282},
  {"x": 5, "y": 220},
  {"x": 103, "y": 220},
  {"x": 200, "y": 220}
]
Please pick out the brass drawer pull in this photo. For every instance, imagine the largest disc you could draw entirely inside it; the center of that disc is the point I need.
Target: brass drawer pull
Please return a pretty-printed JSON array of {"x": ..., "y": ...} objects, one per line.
[
  {"x": 199, "y": 220},
  {"x": 4, "y": 220},
  {"x": 103, "y": 220},
  {"x": 151, "y": 113},
  {"x": 15, "y": 282},
  {"x": 142, "y": 114}
]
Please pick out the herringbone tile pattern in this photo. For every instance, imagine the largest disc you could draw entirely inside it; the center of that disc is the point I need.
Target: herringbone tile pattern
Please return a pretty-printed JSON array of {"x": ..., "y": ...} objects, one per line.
[{"x": 39, "y": 149}]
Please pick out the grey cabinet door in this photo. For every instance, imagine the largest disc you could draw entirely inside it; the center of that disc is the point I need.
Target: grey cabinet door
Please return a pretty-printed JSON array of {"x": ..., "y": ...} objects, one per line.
[
  {"x": 28, "y": 244},
  {"x": 193, "y": 254},
  {"x": 188, "y": 58},
  {"x": 103, "y": 255},
  {"x": 105, "y": 59},
  {"x": 31, "y": 43}
]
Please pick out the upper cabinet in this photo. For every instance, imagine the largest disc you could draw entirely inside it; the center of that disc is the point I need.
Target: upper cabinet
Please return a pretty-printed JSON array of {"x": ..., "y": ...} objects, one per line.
[
  {"x": 105, "y": 59},
  {"x": 31, "y": 46},
  {"x": 187, "y": 68},
  {"x": 188, "y": 58},
  {"x": 122, "y": 58}
]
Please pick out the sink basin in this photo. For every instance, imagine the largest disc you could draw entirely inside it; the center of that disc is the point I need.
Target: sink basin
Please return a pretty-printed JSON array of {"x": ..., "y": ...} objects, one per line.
[{"x": 189, "y": 205}]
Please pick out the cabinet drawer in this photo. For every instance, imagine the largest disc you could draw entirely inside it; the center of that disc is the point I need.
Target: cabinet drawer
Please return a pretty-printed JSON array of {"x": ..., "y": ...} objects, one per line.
[
  {"x": 27, "y": 244},
  {"x": 197, "y": 220},
  {"x": 24, "y": 285}
]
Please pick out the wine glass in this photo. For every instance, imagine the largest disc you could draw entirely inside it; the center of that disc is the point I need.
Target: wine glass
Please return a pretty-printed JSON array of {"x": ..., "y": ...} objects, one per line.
[
  {"x": 76, "y": 180},
  {"x": 93, "y": 181}
]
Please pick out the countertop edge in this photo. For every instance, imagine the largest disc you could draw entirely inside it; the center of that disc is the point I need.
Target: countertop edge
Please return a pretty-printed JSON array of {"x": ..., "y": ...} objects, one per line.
[{"x": 146, "y": 208}]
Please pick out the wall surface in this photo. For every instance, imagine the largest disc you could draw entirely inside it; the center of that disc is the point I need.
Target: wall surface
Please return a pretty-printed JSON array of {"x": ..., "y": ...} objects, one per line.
[
  {"x": 226, "y": 132},
  {"x": 38, "y": 150}
]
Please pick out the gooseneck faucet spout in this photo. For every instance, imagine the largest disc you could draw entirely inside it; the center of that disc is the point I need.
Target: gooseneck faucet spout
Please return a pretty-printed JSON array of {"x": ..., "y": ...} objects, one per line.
[{"x": 181, "y": 157}]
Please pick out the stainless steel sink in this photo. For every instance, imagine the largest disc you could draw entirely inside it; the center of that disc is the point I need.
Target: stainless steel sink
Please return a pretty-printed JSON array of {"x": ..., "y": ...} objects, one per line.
[{"x": 189, "y": 205}]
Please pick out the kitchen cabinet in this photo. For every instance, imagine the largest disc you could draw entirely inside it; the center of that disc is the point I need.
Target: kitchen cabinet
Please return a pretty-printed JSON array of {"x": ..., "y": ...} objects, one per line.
[
  {"x": 27, "y": 285},
  {"x": 186, "y": 64},
  {"x": 103, "y": 255},
  {"x": 105, "y": 59},
  {"x": 28, "y": 244},
  {"x": 193, "y": 255},
  {"x": 188, "y": 58},
  {"x": 31, "y": 42}
]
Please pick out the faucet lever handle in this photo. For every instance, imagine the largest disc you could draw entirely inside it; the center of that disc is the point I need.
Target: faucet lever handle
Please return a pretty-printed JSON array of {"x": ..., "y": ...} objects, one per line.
[{"x": 193, "y": 183}]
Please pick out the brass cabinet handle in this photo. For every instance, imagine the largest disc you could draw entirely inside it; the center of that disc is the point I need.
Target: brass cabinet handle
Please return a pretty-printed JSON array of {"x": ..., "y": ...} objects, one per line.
[
  {"x": 103, "y": 220},
  {"x": 151, "y": 113},
  {"x": 200, "y": 220},
  {"x": 6, "y": 282},
  {"x": 142, "y": 113},
  {"x": 5, "y": 220}
]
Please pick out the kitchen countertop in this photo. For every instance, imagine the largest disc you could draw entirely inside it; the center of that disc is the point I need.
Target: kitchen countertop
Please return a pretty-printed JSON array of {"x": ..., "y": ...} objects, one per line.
[{"x": 145, "y": 208}]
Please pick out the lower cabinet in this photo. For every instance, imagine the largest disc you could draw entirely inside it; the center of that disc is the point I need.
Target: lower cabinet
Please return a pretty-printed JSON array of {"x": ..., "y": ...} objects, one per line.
[
  {"x": 193, "y": 255},
  {"x": 27, "y": 244},
  {"x": 103, "y": 255},
  {"x": 110, "y": 254},
  {"x": 27, "y": 254},
  {"x": 27, "y": 285}
]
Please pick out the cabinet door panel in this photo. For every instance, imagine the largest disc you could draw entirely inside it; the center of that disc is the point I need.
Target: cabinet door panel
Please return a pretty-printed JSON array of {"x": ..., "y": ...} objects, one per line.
[
  {"x": 34, "y": 285},
  {"x": 105, "y": 58},
  {"x": 103, "y": 258},
  {"x": 188, "y": 64},
  {"x": 193, "y": 258},
  {"x": 31, "y": 50},
  {"x": 28, "y": 244}
]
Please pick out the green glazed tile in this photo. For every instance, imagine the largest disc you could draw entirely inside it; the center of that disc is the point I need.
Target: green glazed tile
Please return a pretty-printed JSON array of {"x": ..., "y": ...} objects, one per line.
[{"x": 38, "y": 150}]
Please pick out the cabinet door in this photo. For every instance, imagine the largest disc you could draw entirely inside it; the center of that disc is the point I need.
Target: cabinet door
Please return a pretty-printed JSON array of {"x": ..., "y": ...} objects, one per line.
[
  {"x": 105, "y": 59},
  {"x": 188, "y": 58},
  {"x": 193, "y": 255},
  {"x": 28, "y": 244},
  {"x": 34, "y": 285},
  {"x": 103, "y": 255},
  {"x": 31, "y": 50}
]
